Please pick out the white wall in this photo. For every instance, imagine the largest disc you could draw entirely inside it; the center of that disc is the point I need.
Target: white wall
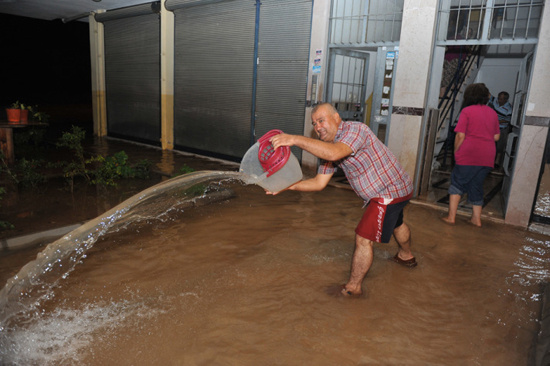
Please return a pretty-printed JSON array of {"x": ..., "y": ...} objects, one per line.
[{"x": 499, "y": 74}]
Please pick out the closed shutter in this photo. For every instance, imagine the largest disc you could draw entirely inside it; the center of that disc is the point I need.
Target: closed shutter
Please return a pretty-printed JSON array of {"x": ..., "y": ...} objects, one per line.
[
  {"x": 283, "y": 66},
  {"x": 132, "y": 72},
  {"x": 213, "y": 72}
]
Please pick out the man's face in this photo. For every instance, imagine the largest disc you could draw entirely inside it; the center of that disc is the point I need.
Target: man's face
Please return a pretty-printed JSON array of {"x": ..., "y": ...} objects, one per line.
[
  {"x": 502, "y": 99},
  {"x": 325, "y": 124}
]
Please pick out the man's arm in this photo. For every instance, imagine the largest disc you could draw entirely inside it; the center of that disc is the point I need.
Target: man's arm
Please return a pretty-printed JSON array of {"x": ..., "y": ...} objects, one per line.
[
  {"x": 497, "y": 137},
  {"x": 317, "y": 183},
  {"x": 329, "y": 151}
]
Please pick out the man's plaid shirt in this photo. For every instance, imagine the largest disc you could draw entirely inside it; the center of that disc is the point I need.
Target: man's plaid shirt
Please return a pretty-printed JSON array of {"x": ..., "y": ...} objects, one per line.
[{"x": 372, "y": 170}]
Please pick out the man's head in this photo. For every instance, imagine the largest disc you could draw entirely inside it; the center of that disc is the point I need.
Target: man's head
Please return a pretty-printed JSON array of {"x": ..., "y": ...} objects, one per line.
[
  {"x": 325, "y": 120},
  {"x": 503, "y": 97}
]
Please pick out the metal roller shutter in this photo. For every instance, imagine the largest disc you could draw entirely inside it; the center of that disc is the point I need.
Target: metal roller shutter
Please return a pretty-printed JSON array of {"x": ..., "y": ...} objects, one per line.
[
  {"x": 282, "y": 71},
  {"x": 132, "y": 72},
  {"x": 214, "y": 53},
  {"x": 215, "y": 77}
]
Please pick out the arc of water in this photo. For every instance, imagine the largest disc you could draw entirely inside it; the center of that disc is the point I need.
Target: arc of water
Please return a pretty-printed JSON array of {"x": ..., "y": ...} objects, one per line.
[{"x": 27, "y": 289}]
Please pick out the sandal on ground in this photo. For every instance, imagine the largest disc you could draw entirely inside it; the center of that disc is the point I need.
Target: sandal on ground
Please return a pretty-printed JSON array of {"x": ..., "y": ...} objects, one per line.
[{"x": 410, "y": 263}]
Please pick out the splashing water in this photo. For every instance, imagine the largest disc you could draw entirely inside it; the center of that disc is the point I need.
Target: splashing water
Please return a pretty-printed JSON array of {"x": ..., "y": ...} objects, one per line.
[
  {"x": 62, "y": 334},
  {"x": 206, "y": 285},
  {"x": 24, "y": 292}
]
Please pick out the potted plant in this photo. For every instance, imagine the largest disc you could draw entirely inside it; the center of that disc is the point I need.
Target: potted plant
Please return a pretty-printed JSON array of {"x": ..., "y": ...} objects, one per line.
[
  {"x": 18, "y": 112},
  {"x": 14, "y": 112},
  {"x": 38, "y": 116}
]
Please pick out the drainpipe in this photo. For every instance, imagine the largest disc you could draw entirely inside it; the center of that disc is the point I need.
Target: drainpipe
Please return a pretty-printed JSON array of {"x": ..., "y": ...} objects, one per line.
[{"x": 255, "y": 75}]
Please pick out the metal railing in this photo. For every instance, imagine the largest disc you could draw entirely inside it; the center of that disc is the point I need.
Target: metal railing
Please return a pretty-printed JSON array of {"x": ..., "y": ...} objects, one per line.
[
  {"x": 447, "y": 103},
  {"x": 362, "y": 22},
  {"x": 492, "y": 21}
]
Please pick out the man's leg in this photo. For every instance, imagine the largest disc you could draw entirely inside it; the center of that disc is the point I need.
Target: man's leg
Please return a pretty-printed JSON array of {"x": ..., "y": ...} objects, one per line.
[
  {"x": 360, "y": 264},
  {"x": 402, "y": 235}
]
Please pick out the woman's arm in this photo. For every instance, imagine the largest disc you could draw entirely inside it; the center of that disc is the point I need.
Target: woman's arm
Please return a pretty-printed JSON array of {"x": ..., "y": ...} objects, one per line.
[{"x": 459, "y": 139}]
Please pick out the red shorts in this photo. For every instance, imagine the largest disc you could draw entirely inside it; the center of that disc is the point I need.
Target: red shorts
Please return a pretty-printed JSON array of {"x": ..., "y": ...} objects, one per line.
[{"x": 380, "y": 220}]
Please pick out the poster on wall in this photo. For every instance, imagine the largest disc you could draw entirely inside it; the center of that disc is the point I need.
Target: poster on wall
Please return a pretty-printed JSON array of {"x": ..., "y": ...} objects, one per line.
[
  {"x": 317, "y": 62},
  {"x": 386, "y": 88}
]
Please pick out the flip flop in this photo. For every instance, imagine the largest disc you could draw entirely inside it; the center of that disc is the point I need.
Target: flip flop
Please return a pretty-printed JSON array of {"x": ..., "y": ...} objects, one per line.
[{"x": 410, "y": 263}]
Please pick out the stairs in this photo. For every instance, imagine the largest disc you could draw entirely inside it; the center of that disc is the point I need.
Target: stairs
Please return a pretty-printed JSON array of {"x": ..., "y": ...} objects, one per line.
[{"x": 449, "y": 108}]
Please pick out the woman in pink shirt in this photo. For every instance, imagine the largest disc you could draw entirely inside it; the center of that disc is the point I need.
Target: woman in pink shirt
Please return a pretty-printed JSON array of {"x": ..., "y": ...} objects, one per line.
[{"x": 476, "y": 132}]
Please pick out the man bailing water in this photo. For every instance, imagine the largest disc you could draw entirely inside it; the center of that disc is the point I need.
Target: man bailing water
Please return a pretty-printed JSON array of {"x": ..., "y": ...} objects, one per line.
[{"x": 374, "y": 174}]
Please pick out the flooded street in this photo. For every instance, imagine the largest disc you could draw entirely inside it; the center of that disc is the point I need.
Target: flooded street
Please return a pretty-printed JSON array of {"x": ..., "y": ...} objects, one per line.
[{"x": 244, "y": 282}]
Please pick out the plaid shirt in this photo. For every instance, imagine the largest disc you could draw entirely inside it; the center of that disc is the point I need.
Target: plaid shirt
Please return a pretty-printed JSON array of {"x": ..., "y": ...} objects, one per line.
[{"x": 372, "y": 170}]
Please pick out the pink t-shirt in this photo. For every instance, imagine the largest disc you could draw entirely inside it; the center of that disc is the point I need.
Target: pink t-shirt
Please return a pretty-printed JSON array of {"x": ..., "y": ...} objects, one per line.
[{"x": 480, "y": 125}]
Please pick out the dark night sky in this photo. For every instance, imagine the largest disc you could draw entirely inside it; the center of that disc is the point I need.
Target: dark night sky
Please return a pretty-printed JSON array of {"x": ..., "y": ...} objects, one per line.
[{"x": 44, "y": 62}]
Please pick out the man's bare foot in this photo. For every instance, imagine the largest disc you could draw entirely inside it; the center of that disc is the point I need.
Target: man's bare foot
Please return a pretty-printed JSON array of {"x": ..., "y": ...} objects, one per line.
[
  {"x": 350, "y": 292},
  {"x": 341, "y": 291},
  {"x": 447, "y": 221}
]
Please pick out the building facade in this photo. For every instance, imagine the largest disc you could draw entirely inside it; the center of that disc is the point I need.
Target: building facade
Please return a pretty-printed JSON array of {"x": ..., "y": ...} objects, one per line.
[{"x": 212, "y": 76}]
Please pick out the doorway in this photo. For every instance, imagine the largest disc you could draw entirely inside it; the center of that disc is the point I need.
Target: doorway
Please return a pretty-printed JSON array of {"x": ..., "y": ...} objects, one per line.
[
  {"x": 500, "y": 71},
  {"x": 347, "y": 82}
]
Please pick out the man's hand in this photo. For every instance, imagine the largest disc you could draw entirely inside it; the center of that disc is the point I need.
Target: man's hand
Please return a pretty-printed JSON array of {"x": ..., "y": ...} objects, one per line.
[
  {"x": 286, "y": 189},
  {"x": 282, "y": 139}
]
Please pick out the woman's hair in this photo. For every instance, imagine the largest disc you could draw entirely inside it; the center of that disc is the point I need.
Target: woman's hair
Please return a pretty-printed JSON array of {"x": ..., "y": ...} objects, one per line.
[{"x": 475, "y": 94}]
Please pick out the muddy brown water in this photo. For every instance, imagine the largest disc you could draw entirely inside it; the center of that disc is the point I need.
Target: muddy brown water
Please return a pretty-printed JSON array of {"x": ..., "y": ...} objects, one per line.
[
  {"x": 243, "y": 282},
  {"x": 52, "y": 205}
]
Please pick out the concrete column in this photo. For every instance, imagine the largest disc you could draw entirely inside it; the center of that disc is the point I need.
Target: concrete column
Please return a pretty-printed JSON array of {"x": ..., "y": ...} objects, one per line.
[
  {"x": 532, "y": 141},
  {"x": 319, "y": 40},
  {"x": 412, "y": 81},
  {"x": 97, "y": 53},
  {"x": 167, "y": 77}
]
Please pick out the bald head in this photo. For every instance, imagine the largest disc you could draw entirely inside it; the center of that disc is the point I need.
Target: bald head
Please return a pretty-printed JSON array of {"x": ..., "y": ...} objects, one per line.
[
  {"x": 327, "y": 107},
  {"x": 325, "y": 120}
]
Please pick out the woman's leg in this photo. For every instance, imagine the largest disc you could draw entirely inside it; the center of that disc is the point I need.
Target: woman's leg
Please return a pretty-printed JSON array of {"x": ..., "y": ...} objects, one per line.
[
  {"x": 476, "y": 215},
  {"x": 455, "y": 193},
  {"x": 475, "y": 194},
  {"x": 454, "y": 199}
]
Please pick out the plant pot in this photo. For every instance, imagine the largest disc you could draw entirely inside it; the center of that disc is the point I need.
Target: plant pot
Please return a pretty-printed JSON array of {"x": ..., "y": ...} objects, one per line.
[
  {"x": 14, "y": 115},
  {"x": 24, "y": 116}
]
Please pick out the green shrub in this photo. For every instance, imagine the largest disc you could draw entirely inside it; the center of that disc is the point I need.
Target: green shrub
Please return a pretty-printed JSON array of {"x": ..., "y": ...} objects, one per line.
[
  {"x": 183, "y": 170},
  {"x": 78, "y": 166},
  {"x": 28, "y": 173},
  {"x": 112, "y": 168},
  {"x": 4, "y": 225}
]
